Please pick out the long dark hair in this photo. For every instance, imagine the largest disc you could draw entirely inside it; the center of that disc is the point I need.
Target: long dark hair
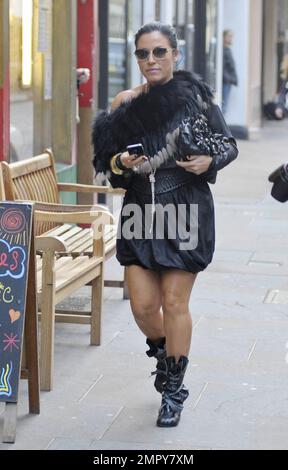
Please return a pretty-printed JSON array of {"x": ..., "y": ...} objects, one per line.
[{"x": 164, "y": 29}]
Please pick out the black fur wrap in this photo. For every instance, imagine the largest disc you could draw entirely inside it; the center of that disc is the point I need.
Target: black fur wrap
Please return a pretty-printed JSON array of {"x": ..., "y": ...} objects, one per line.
[{"x": 147, "y": 118}]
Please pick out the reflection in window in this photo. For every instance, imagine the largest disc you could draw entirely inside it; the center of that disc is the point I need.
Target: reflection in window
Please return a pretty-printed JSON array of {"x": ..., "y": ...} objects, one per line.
[
  {"x": 211, "y": 43},
  {"x": 117, "y": 46},
  {"x": 183, "y": 21},
  {"x": 179, "y": 17},
  {"x": 21, "y": 98},
  {"x": 282, "y": 37},
  {"x": 157, "y": 10},
  {"x": 190, "y": 12}
]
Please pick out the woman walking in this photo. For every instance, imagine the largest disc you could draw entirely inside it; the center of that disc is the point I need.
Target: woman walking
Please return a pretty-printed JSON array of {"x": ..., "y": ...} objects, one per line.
[{"x": 161, "y": 270}]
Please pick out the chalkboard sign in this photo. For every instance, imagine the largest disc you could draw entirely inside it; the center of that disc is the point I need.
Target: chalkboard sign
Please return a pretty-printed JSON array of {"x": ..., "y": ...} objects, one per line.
[{"x": 15, "y": 239}]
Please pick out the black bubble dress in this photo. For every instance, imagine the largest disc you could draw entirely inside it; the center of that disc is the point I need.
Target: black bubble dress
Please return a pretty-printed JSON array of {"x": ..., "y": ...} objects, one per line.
[{"x": 181, "y": 233}]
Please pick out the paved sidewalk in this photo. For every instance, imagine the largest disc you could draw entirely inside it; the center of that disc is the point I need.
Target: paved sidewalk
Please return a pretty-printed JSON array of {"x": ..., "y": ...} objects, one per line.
[{"x": 103, "y": 397}]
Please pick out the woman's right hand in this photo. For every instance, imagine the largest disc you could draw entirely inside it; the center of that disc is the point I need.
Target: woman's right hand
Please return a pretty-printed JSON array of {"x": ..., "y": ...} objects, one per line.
[{"x": 130, "y": 161}]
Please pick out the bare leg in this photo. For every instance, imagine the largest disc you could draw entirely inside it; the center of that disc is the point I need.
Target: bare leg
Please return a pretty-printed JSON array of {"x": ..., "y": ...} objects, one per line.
[
  {"x": 176, "y": 287},
  {"x": 145, "y": 298}
]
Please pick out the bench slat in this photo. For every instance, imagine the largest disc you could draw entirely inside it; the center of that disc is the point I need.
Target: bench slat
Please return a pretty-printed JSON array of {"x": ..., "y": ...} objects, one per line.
[
  {"x": 76, "y": 236},
  {"x": 76, "y": 245},
  {"x": 58, "y": 231},
  {"x": 72, "y": 232}
]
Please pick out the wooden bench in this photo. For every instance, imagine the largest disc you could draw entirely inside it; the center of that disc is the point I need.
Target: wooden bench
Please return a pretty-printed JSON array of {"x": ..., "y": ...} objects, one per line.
[
  {"x": 35, "y": 179},
  {"x": 69, "y": 256}
]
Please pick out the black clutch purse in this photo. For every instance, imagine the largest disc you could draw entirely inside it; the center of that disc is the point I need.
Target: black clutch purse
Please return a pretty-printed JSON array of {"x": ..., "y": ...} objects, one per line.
[{"x": 196, "y": 138}]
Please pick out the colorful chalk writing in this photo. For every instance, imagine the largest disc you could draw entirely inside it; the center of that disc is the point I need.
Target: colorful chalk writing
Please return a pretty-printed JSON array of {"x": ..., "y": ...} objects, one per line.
[
  {"x": 12, "y": 260},
  {"x": 15, "y": 237},
  {"x": 14, "y": 315},
  {"x": 5, "y": 294},
  {"x": 13, "y": 226},
  {"x": 5, "y": 386},
  {"x": 11, "y": 341}
]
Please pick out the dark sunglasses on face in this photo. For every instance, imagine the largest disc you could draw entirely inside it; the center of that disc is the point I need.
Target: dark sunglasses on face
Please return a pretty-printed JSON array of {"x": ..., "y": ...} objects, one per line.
[{"x": 158, "y": 53}]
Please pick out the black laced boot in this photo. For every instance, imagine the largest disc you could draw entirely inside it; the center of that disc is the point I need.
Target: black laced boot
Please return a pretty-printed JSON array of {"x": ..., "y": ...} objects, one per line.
[
  {"x": 157, "y": 350},
  {"x": 174, "y": 393}
]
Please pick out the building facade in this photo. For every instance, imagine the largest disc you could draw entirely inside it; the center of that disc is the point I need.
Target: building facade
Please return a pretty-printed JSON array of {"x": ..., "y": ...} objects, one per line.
[{"x": 260, "y": 29}]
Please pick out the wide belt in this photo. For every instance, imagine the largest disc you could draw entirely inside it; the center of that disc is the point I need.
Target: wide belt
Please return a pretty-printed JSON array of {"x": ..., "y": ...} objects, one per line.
[{"x": 165, "y": 180}]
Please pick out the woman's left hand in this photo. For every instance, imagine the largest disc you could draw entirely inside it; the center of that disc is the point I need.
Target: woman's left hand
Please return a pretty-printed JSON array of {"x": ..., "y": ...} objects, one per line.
[{"x": 197, "y": 164}]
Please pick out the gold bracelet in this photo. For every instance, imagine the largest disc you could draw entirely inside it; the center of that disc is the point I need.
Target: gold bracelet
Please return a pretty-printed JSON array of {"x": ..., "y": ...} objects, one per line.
[{"x": 114, "y": 167}]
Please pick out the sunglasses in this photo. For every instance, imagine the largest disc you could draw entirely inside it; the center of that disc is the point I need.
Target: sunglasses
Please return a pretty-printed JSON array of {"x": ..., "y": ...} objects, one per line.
[{"x": 158, "y": 53}]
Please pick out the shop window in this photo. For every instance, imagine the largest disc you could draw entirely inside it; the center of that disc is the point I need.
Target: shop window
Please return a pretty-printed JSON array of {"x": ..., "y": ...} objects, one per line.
[
  {"x": 21, "y": 94},
  {"x": 118, "y": 24},
  {"x": 157, "y": 10},
  {"x": 183, "y": 21},
  {"x": 282, "y": 41},
  {"x": 211, "y": 42}
]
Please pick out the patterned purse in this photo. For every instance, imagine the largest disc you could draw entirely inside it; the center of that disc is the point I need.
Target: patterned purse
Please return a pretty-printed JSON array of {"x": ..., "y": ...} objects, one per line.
[{"x": 196, "y": 138}]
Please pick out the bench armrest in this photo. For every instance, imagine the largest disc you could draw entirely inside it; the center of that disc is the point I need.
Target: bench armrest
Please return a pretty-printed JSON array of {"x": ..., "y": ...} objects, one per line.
[
  {"x": 86, "y": 188},
  {"x": 103, "y": 217},
  {"x": 53, "y": 207},
  {"x": 51, "y": 243}
]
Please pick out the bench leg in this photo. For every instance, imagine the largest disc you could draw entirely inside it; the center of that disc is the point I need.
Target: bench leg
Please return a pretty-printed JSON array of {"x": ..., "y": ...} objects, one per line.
[
  {"x": 96, "y": 308},
  {"x": 47, "y": 322}
]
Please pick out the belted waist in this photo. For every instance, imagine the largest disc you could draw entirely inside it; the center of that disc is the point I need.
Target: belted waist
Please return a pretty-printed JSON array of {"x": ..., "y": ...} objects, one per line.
[{"x": 165, "y": 180}]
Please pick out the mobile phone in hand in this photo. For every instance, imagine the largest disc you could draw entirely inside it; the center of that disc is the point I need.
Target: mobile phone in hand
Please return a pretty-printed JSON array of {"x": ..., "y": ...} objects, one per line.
[{"x": 135, "y": 149}]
